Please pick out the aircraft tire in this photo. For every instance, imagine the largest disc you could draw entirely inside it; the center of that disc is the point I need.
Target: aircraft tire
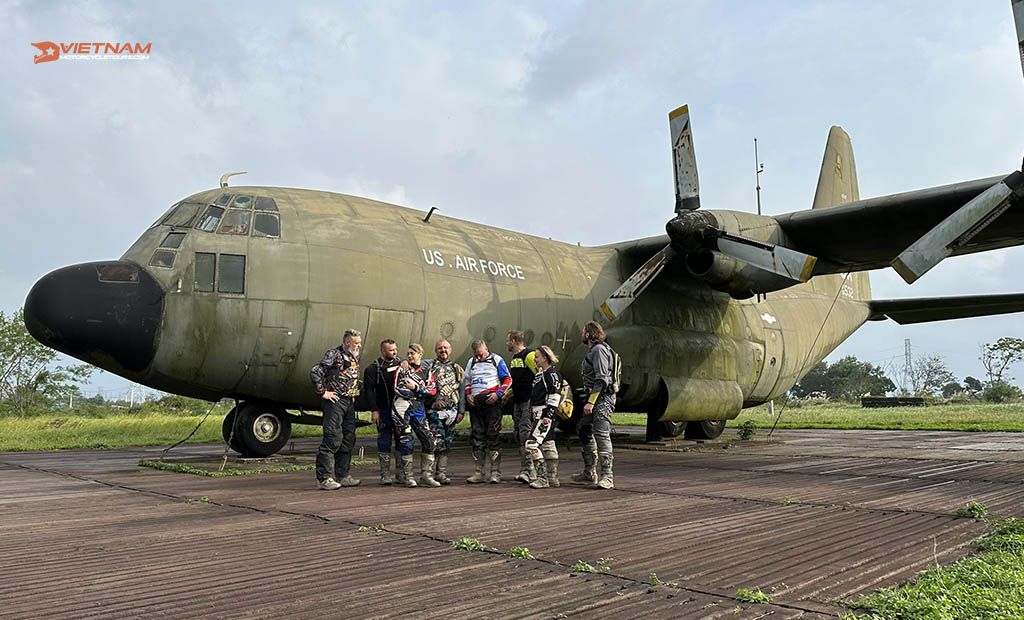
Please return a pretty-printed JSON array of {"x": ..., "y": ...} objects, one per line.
[
  {"x": 705, "y": 429},
  {"x": 225, "y": 429},
  {"x": 263, "y": 429},
  {"x": 672, "y": 428}
]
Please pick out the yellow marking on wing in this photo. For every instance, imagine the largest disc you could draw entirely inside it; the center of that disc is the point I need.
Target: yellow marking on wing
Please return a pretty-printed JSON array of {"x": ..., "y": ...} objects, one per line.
[
  {"x": 805, "y": 273},
  {"x": 607, "y": 312}
]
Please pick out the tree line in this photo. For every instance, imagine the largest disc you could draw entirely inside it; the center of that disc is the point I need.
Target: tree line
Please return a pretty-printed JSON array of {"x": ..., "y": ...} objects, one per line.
[{"x": 849, "y": 378}]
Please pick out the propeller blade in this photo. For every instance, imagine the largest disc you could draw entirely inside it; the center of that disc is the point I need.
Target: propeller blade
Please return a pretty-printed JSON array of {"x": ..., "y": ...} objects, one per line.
[
  {"x": 623, "y": 297},
  {"x": 777, "y": 259},
  {"x": 684, "y": 160},
  {"x": 959, "y": 228},
  {"x": 1018, "y": 21}
]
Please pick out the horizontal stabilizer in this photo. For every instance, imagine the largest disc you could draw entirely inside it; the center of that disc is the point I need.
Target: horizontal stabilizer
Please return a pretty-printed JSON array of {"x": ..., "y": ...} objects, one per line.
[{"x": 925, "y": 309}]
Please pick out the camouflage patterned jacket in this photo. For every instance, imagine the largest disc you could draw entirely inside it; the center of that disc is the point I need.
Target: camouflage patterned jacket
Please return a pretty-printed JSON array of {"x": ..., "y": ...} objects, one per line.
[{"x": 337, "y": 372}]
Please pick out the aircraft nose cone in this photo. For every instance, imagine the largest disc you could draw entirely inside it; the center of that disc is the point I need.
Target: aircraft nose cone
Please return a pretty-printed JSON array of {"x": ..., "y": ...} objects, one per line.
[{"x": 104, "y": 313}]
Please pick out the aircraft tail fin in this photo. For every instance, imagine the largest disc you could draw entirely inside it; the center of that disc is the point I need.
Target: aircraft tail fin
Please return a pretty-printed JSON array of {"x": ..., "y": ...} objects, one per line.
[{"x": 837, "y": 182}]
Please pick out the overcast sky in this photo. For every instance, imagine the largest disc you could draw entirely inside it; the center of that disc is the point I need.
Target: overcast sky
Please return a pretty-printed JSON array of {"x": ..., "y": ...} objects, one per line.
[{"x": 527, "y": 115}]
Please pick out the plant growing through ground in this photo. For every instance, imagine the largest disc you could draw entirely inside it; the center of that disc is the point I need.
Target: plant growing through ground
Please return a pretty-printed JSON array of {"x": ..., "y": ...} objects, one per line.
[
  {"x": 789, "y": 501},
  {"x": 747, "y": 430},
  {"x": 520, "y": 552},
  {"x": 371, "y": 528},
  {"x": 469, "y": 544},
  {"x": 974, "y": 510},
  {"x": 984, "y": 585},
  {"x": 655, "y": 581},
  {"x": 752, "y": 596},
  {"x": 583, "y": 567},
  {"x": 602, "y": 563}
]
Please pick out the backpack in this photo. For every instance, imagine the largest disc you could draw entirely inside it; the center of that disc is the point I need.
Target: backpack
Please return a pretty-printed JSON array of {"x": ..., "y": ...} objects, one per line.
[
  {"x": 564, "y": 409},
  {"x": 489, "y": 360},
  {"x": 616, "y": 370}
]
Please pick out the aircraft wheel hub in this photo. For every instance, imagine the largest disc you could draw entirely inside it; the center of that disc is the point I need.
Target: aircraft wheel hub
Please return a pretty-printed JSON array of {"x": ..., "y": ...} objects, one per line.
[{"x": 266, "y": 427}]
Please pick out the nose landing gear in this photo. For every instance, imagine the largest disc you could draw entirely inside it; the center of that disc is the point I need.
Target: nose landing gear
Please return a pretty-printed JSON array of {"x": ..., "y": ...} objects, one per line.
[{"x": 261, "y": 428}]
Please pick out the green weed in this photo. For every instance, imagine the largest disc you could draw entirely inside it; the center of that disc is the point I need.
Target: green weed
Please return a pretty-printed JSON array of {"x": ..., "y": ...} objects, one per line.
[
  {"x": 603, "y": 564},
  {"x": 655, "y": 581},
  {"x": 788, "y": 501},
  {"x": 986, "y": 586},
  {"x": 182, "y": 468},
  {"x": 520, "y": 552},
  {"x": 974, "y": 510},
  {"x": 753, "y": 596},
  {"x": 371, "y": 528},
  {"x": 583, "y": 567},
  {"x": 469, "y": 544}
]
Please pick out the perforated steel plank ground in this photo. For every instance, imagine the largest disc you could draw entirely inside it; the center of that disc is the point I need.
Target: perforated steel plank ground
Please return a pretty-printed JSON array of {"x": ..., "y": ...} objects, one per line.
[{"x": 815, "y": 517}]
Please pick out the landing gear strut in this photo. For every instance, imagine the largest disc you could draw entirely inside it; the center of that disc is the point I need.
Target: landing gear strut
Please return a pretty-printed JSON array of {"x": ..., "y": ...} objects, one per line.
[{"x": 261, "y": 430}]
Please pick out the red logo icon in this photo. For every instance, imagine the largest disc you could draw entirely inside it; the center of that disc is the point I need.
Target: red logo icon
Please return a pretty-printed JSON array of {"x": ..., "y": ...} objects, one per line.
[{"x": 50, "y": 51}]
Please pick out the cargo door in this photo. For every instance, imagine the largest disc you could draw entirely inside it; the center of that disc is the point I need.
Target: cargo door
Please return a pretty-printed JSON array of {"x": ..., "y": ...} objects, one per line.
[{"x": 273, "y": 366}]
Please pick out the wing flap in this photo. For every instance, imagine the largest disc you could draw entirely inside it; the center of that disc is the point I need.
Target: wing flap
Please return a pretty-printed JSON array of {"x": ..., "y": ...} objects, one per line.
[{"x": 926, "y": 309}]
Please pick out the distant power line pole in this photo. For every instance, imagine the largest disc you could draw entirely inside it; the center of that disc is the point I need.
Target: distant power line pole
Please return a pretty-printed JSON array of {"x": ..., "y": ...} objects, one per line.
[{"x": 908, "y": 365}]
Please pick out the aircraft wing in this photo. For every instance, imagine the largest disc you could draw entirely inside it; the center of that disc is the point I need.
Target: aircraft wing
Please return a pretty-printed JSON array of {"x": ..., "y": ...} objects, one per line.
[
  {"x": 925, "y": 309},
  {"x": 870, "y": 234}
]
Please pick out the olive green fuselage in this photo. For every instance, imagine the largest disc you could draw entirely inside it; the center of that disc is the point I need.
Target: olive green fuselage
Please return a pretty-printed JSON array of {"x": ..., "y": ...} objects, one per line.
[{"x": 345, "y": 262}]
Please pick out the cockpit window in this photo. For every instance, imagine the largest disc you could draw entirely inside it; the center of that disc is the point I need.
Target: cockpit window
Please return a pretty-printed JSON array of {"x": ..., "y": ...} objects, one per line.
[
  {"x": 163, "y": 217},
  {"x": 266, "y": 225},
  {"x": 236, "y": 222},
  {"x": 162, "y": 258},
  {"x": 210, "y": 219},
  {"x": 182, "y": 215},
  {"x": 224, "y": 199},
  {"x": 173, "y": 240},
  {"x": 242, "y": 202},
  {"x": 265, "y": 204}
]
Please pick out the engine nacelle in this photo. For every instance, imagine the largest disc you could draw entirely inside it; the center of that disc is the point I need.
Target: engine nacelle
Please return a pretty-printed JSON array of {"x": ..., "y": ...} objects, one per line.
[
  {"x": 695, "y": 233},
  {"x": 731, "y": 276}
]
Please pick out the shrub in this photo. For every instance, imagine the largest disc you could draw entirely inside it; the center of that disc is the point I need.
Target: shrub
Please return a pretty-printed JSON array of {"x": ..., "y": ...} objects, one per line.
[
  {"x": 747, "y": 430},
  {"x": 1001, "y": 392}
]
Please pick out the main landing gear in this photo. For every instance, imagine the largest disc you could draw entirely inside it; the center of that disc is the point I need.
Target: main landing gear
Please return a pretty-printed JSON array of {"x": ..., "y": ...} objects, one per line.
[{"x": 260, "y": 429}]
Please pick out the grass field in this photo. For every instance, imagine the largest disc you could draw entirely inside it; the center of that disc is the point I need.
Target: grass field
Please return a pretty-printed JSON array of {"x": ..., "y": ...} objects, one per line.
[
  {"x": 56, "y": 432},
  {"x": 955, "y": 417}
]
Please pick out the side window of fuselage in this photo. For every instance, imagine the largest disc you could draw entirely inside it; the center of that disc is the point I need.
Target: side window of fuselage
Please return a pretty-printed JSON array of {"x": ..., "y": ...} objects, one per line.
[
  {"x": 206, "y": 267},
  {"x": 232, "y": 274}
]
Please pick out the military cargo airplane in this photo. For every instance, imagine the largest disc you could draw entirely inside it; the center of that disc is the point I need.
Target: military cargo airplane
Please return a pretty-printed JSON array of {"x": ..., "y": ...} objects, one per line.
[{"x": 237, "y": 291}]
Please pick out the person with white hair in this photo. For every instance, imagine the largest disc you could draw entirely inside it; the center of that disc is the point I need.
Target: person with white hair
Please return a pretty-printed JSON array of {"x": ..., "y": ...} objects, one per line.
[{"x": 336, "y": 379}]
